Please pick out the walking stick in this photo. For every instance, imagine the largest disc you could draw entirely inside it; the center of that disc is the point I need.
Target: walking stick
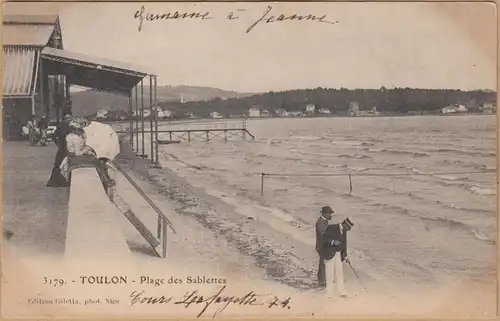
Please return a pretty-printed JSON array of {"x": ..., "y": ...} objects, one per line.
[{"x": 356, "y": 274}]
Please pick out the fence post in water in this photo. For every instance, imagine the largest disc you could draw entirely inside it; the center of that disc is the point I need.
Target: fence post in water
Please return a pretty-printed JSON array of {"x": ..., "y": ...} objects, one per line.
[
  {"x": 262, "y": 183},
  {"x": 208, "y": 137},
  {"x": 350, "y": 184}
]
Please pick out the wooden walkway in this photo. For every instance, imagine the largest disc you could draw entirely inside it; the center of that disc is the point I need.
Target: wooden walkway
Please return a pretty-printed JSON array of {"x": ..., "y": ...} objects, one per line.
[{"x": 204, "y": 134}]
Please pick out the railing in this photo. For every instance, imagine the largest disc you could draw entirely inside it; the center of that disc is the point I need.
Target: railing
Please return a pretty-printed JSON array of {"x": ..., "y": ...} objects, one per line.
[{"x": 163, "y": 221}]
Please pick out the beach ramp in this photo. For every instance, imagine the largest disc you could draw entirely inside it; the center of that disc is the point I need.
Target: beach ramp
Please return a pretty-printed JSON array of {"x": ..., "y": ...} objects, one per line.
[{"x": 93, "y": 223}]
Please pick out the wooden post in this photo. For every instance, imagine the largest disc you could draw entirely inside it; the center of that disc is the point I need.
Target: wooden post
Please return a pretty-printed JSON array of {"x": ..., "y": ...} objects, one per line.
[
  {"x": 189, "y": 136},
  {"x": 136, "y": 121},
  {"x": 151, "y": 117},
  {"x": 50, "y": 96},
  {"x": 142, "y": 117},
  {"x": 68, "y": 91},
  {"x": 350, "y": 184},
  {"x": 156, "y": 118},
  {"x": 131, "y": 120},
  {"x": 158, "y": 231},
  {"x": 164, "y": 241},
  {"x": 262, "y": 183},
  {"x": 170, "y": 135},
  {"x": 208, "y": 135},
  {"x": 225, "y": 135},
  {"x": 42, "y": 88},
  {"x": 33, "y": 109}
]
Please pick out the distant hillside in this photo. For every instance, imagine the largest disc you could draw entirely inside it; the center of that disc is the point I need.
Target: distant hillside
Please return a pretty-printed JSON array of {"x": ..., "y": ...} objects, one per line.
[
  {"x": 397, "y": 101},
  {"x": 89, "y": 102}
]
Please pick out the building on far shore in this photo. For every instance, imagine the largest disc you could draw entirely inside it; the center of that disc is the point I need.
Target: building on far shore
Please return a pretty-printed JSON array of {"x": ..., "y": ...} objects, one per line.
[
  {"x": 488, "y": 107},
  {"x": 103, "y": 114},
  {"x": 280, "y": 112},
  {"x": 353, "y": 108},
  {"x": 310, "y": 109},
  {"x": 452, "y": 109},
  {"x": 254, "y": 112},
  {"x": 296, "y": 113},
  {"x": 215, "y": 114},
  {"x": 324, "y": 111}
]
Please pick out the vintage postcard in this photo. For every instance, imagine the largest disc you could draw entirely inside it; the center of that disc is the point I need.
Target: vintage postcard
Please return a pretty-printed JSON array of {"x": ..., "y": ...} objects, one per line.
[{"x": 257, "y": 160}]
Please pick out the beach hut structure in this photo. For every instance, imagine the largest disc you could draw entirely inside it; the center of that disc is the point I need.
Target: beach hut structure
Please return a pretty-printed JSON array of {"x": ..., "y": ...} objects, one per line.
[
  {"x": 25, "y": 86},
  {"x": 38, "y": 72}
]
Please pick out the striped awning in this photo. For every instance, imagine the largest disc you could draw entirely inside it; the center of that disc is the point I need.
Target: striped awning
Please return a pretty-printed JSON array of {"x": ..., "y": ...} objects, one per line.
[{"x": 20, "y": 65}]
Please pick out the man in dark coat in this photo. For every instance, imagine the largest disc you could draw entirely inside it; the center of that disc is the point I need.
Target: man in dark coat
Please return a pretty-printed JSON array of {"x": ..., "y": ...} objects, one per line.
[
  {"x": 334, "y": 251},
  {"x": 321, "y": 226},
  {"x": 59, "y": 137}
]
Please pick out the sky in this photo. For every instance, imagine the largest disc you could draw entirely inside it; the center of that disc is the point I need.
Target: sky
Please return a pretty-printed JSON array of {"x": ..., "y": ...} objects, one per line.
[{"x": 367, "y": 45}]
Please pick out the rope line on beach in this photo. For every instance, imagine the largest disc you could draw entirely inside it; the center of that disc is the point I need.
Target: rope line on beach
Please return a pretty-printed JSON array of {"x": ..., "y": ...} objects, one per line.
[
  {"x": 351, "y": 174},
  {"x": 374, "y": 174}
]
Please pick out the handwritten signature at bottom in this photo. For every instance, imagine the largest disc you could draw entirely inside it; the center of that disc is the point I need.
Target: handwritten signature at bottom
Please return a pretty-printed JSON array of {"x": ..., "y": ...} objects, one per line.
[{"x": 218, "y": 299}]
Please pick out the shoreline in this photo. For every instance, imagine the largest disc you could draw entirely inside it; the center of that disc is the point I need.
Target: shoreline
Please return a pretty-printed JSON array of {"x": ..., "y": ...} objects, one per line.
[
  {"x": 257, "y": 239},
  {"x": 242, "y": 118}
]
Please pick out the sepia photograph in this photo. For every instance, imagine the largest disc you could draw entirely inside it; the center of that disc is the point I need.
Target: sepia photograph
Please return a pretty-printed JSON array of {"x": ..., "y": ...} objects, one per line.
[{"x": 249, "y": 159}]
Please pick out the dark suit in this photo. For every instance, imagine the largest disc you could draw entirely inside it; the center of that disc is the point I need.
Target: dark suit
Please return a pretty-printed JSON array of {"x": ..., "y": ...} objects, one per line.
[
  {"x": 321, "y": 226},
  {"x": 334, "y": 233},
  {"x": 60, "y": 134},
  {"x": 56, "y": 178}
]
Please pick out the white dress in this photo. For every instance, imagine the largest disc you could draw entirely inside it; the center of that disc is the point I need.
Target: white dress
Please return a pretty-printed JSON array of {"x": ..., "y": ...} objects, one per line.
[{"x": 103, "y": 139}]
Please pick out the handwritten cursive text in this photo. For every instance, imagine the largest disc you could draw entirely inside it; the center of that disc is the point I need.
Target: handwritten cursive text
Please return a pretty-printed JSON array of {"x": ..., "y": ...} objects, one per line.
[
  {"x": 141, "y": 15},
  {"x": 267, "y": 18},
  {"x": 139, "y": 297},
  {"x": 249, "y": 298}
]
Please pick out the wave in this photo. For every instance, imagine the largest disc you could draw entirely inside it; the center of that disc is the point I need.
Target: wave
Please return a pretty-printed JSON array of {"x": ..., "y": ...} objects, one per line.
[
  {"x": 481, "y": 191},
  {"x": 437, "y": 202},
  {"x": 303, "y": 138},
  {"x": 437, "y": 221},
  {"x": 463, "y": 152},
  {"x": 475, "y": 189},
  {"x": 452, "y": 224},
  {"x": 355, "y": 156},
  {"x": 396, "y": 152},
  {"x": 467, "y": 164},
  {"x": 294, "y": 150}
]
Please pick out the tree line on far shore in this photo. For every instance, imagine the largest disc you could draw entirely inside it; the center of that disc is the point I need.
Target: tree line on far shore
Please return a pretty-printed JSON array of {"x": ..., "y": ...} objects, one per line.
[{"x": 397, "y": 101}]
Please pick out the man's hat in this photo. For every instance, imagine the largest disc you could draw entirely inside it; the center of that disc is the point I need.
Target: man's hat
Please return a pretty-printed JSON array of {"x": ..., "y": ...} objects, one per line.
[
  {"x": 327, "y": 210},
  {"x": 348, "y": 222}
]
